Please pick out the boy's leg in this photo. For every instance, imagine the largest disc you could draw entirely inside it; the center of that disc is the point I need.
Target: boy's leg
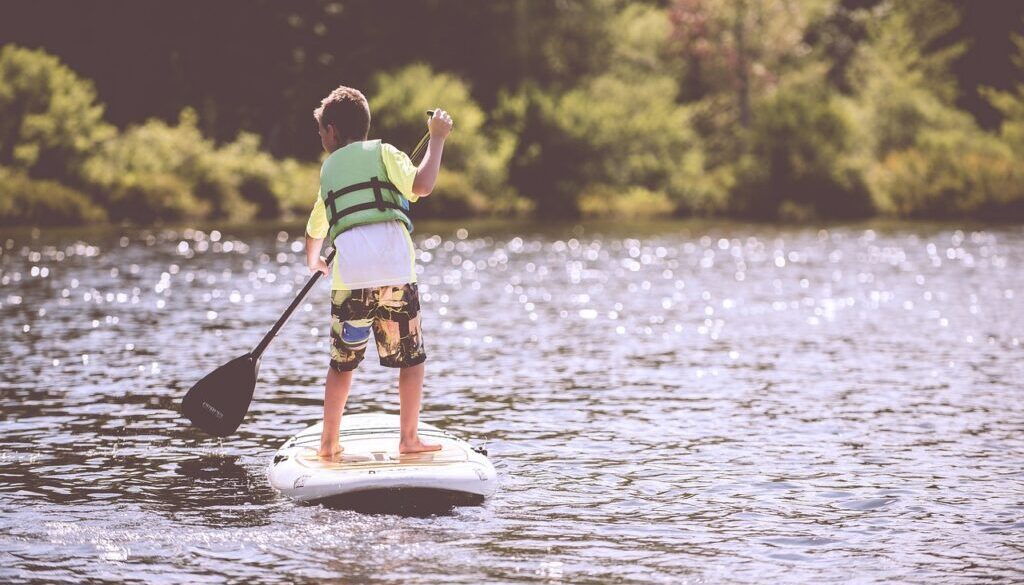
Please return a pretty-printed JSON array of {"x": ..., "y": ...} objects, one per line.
[
  {"x": 396, "y": 329},
  {"x": 350, "y": 332},
  {"x": 410, "y": 393},
  {"x": 335, "y": 396}
]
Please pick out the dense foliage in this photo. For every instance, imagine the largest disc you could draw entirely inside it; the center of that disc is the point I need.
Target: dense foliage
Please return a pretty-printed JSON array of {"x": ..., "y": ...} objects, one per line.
[
  {"x": 49, "y": 117},
  {"x": 793, "y": 109}
]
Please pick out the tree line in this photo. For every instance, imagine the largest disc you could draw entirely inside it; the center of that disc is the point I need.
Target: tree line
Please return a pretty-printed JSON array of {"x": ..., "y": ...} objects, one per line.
[{"x": 146, "y": 111}]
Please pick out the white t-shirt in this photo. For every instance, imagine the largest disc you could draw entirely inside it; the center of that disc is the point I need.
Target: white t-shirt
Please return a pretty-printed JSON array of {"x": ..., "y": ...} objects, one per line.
[{"x": 378, "y": 254}]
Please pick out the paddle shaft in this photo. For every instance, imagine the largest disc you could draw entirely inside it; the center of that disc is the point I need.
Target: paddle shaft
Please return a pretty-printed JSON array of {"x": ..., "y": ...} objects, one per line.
[{"x": 262, "y": 346}]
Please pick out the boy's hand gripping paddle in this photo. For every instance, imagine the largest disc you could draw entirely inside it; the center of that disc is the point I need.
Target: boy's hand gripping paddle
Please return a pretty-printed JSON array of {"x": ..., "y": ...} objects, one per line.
[{"x": 218, "y": 403}]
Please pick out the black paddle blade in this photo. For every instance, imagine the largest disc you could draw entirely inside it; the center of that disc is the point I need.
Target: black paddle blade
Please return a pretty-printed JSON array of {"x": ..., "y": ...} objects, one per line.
[{"x": 218, "y": 403}]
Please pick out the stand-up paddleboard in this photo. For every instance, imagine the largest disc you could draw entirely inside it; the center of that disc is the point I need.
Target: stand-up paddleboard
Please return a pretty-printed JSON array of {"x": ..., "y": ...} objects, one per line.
[{"x": 371, "y": 471}]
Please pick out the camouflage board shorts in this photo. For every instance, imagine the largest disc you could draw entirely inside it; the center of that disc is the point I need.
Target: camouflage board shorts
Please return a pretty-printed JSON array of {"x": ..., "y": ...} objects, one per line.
[{"x": 391, "y": 312}]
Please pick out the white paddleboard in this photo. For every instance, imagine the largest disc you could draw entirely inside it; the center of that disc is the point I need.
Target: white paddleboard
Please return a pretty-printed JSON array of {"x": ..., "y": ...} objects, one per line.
[{"x": 372, "y": 466}]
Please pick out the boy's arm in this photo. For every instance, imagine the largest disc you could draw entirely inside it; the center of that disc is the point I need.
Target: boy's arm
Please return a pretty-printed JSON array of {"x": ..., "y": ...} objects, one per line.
[
  {"x": 316, "y": 231},
  {"x": 313, "y": 259},
  {"x": 440, "y": 125}
]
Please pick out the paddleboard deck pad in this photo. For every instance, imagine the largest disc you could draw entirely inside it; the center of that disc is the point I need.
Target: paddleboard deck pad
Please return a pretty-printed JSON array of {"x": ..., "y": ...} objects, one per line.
[{"x": 371, "y": 471}]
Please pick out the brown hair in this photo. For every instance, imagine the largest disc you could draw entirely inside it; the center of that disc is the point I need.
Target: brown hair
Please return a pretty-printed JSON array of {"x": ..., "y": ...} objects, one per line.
[{"x": 347, "y": 110}]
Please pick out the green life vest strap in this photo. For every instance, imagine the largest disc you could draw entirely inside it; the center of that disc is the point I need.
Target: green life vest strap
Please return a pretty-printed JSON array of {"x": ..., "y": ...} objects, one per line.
[{"x": 379, "y": 203}]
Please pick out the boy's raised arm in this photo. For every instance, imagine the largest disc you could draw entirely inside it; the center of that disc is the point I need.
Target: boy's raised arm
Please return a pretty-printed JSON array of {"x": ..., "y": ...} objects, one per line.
[{"x": 440, "y": 125}]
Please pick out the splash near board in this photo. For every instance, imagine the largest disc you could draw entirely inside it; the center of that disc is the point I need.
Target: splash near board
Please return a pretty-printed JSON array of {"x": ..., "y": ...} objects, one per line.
[{"x": 371, "y": 468}]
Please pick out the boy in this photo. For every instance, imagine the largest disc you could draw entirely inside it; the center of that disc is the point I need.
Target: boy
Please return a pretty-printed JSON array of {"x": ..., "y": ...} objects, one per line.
[{"x": 365, "y": 190}]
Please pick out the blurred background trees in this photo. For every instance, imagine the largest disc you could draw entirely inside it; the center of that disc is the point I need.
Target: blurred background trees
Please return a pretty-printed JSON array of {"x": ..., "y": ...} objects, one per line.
[{"x": 149, "y": 110}]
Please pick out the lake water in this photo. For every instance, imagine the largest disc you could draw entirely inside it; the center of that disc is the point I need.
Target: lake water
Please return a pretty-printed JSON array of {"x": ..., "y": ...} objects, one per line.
[{"x": 669, "y": 403}]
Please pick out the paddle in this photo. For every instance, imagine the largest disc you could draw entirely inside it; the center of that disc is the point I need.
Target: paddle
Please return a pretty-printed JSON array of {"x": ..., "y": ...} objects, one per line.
[{"x": 218, "y": 403}]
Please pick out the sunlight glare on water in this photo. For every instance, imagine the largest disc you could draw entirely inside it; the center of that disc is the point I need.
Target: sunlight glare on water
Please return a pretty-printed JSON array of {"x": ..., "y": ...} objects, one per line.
[{"x": 691, "y": 402}]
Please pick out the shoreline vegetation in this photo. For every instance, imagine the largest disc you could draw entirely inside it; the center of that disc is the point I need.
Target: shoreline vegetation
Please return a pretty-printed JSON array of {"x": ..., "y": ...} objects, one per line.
[{"x": 818, "y": 112}]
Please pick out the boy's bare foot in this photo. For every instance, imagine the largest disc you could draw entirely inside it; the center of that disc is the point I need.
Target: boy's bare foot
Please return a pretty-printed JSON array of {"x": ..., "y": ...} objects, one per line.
[
  {"x": 415, "y": 445},
  {"x": 332, "y": 453}
]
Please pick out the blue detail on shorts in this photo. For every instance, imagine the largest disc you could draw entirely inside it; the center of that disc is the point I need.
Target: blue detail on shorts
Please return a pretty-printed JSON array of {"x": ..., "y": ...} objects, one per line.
[{"x": 352, "y": 334}]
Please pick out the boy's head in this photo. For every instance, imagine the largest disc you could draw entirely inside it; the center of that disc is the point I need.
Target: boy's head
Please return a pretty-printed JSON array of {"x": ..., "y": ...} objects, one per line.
[{"x": 343, "y": 117}]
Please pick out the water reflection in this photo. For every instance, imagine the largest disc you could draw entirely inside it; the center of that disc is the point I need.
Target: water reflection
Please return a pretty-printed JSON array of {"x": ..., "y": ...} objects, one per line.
[
  {"x": 664, "y": 403},
  {"x": 229, "y": 495}
]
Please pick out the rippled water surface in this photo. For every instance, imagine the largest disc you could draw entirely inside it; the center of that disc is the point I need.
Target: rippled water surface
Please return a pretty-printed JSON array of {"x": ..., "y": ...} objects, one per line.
[{"x": 674, "y": 403}]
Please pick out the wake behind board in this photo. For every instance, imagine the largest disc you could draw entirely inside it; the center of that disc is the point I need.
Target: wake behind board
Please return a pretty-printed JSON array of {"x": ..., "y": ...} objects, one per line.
[{"x": 371, "y": 472}]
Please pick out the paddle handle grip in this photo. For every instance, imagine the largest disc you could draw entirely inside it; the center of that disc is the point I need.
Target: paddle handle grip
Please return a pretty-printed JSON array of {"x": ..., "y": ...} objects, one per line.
[{"x": 258, "y": 351}]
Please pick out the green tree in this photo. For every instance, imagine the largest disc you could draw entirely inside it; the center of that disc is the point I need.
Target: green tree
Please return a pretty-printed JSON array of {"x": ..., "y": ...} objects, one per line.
[
  {"x": 903, "y": 87},
  {"x": 547, "y": 165},
  {"x": 476, "y": 157},
  {"x": 952, "y": 169},
  {"x": 152, "y": 172},
  {"x": 619, "y": 134},
  {"x": 926, "y": 158},
  {"x": 801, "y": 159},
  {"x": 50, "y": 120},
  {"x": 157, "y": 171},
  {"x": 740, "y": 47},
  {"x": 1011, "y": 105},
  {"x": 732, "y": 54}
]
